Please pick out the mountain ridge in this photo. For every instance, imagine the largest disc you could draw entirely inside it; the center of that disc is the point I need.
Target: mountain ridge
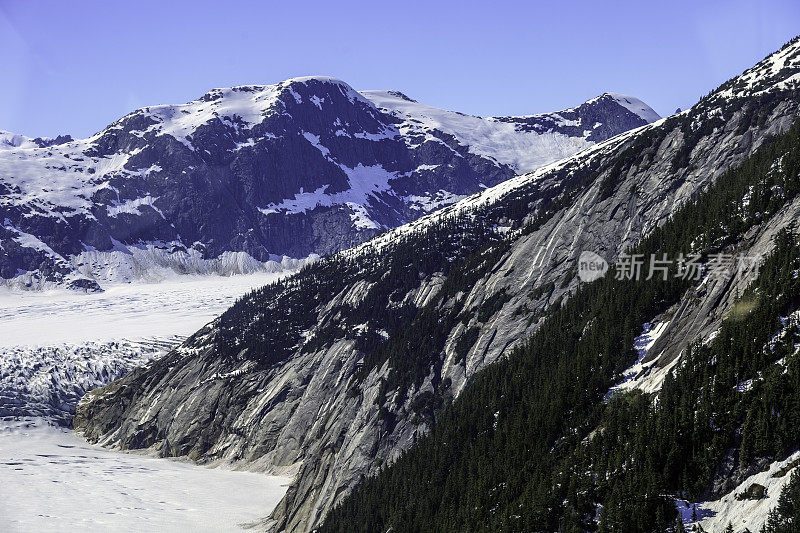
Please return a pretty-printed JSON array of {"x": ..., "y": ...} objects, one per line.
[{"x": 307, "y": 166}]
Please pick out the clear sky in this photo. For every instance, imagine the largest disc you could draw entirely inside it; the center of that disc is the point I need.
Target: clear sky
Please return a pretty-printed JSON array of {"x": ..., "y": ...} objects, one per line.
[{"x": 75, "y": 66}]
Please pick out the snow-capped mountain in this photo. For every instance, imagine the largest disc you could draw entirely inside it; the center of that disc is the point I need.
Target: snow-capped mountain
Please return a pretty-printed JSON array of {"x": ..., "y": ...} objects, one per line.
[
  {"x": 347, "y": 365},
  {"x": 252, "y": 174},
  {"x": 10, "y": 141},
  {"x": 522, "y": 143}
]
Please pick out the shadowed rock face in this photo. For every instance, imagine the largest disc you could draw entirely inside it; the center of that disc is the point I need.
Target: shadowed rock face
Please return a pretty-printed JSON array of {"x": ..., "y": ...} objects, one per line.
[
  {"x": 307, "y": 166},
  {"x": 282, "y": 382}
]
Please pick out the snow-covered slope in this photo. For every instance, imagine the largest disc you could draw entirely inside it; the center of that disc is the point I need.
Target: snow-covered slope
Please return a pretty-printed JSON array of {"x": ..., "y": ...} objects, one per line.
[
  {"x": 10, "y": 141},
  {"x": 735, "y": 508},
  {"x": 760, "y": 79},
  {"x": 523, "y": 143},
  {"x": 635, "y": 106},
  {"x": 306, "y": 166}
]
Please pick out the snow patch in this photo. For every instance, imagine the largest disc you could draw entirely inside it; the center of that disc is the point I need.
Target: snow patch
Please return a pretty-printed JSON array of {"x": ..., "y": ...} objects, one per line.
[
  {"x": 641, "y": 375},
  {"x": 365, "y": 182},
  {"x": 430, "y": 203},
  {"x": 360, "y": 217},
  {"x": 131, "y": 207},
  {"x": 742, "y": 513}
]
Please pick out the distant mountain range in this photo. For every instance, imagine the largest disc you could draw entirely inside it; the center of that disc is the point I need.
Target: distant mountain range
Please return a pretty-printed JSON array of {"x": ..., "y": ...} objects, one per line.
[{"x": 259, "y": 177}]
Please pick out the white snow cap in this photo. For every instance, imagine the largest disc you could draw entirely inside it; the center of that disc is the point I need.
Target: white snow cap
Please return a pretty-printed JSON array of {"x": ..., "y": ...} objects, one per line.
[
  {"x": 10, "y": 140},
  {"x": 322, "y": 79},
  {"x": 635, "y": 106}
]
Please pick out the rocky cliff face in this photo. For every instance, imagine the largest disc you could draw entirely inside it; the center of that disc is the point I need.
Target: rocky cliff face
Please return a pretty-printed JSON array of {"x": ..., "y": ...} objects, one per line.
[
  {"x": 307, "y": 166},
  {"x": 337, "y": 370}
]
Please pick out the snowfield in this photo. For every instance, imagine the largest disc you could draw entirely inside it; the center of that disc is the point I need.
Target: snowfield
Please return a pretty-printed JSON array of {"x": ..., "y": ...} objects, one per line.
[
  {"x": 51, "y": 480},
  {"x": 177, "y": 306},
  {"x": 57, "y": 345}
]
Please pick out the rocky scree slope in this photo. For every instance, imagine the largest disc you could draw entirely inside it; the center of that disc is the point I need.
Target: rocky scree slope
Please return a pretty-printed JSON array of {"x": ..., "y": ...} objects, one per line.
[
  {"x": 338, "y": 369},
  {"x": 245, "y": 175}
]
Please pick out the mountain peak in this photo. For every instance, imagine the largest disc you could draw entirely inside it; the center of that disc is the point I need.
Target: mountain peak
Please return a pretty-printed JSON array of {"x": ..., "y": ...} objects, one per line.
[
  {"x": 10, "y": 140},
  {"x": 321, "y": 79},
  {"x": 632, "y": 104},
  {"x": 316, "y": 85}
]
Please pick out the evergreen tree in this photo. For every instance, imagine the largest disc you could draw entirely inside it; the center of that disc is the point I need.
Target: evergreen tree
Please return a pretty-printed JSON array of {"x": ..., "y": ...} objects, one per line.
[{"x": 785, "y": 518}]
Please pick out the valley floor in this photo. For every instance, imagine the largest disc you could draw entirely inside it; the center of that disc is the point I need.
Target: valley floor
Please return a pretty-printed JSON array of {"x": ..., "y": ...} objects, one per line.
[
  {"x": 177, "y": 306},
  {"x": 52, "y": 480},
  {"x": 56, "y": 345}
]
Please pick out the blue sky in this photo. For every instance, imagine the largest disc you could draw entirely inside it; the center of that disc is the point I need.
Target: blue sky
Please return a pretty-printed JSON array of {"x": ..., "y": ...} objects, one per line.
[{"x": 74, "y": 67}]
